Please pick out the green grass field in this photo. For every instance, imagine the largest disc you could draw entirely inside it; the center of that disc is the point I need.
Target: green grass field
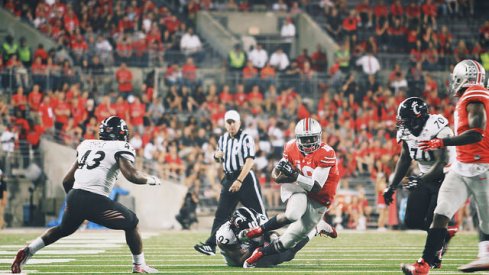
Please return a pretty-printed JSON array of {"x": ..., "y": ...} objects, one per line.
[{"x": 104, "y": 252}]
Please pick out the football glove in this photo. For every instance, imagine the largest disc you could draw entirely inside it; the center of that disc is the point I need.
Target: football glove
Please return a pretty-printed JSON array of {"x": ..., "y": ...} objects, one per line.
[
  {"x": 388, "y": 193},
  {"x": 153, "y": 180},
  {"x": 429, "y": 145},
  {"x": 413, "y": 183},
  {"x": 286, "y": 168}
]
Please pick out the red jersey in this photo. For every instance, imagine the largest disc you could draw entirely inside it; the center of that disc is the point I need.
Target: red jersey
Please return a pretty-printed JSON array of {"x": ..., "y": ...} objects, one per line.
[
  {"x": 476, "y": 152},
  {"x": 325, "y": 156}
]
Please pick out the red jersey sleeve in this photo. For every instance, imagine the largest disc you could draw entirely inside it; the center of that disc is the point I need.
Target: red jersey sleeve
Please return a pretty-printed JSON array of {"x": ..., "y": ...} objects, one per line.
[{"x": 325, "y": 156}]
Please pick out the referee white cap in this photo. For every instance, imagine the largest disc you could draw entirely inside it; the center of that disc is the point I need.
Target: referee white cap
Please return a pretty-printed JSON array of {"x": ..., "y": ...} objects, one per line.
[{"x": 231, "y": 114}]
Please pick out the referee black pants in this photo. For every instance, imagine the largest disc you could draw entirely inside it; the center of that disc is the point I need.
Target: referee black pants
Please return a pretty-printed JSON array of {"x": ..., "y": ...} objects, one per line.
[{"x": 249, "y": 195}]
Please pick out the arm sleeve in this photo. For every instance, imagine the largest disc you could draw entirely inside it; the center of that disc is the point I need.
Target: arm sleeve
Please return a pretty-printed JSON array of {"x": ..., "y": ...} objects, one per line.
[
  {"x": 248, "y": 147},
  {"x": 320, "y": 175},
  {"x": 126, "y": 151}
]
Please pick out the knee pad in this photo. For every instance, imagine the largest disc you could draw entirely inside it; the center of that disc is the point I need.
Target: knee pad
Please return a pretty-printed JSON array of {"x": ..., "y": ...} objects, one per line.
[{"x": 132, "y": 222}]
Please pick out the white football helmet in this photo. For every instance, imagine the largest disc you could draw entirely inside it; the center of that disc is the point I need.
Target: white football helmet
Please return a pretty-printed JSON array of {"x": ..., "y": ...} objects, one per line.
[
  {"x": 466, "y": 73},
  {"x": 308, "y": 135}
]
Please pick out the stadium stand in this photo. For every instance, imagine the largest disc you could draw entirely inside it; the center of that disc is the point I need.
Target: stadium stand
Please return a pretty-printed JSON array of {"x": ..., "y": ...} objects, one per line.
[{"x": 176, "y": 119}]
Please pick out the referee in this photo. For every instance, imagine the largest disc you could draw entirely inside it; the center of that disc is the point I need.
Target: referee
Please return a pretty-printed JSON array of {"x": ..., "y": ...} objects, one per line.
[{"x": 236, "y": 152}]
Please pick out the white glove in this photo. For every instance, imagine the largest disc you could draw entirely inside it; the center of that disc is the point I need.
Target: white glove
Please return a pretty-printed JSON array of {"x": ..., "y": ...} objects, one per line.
[{"x": 153, "y": 180}]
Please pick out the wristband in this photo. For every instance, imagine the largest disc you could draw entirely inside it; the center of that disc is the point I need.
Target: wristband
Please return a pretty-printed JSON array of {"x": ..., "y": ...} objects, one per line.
[{"x": 239, "y": 180}]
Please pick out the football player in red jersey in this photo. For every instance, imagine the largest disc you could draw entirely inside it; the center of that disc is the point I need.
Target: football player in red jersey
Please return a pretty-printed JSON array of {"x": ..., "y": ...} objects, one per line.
[
  {"x": 469, "y": 174},
  {"x": 309, "y": 177}
]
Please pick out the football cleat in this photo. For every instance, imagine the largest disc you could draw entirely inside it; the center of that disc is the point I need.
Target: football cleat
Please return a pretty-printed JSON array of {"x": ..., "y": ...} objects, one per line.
[
  {"x": 418, "y": 268},
  {"x": 480, "y": 264},
  {"x": 142, "y": 268},
  {"x": 253, "y": 259},
  {"x": 20, "y": 259},
  {"x": 325, "y": 229},
  {"x": 205, "y": 249},
  {"x": 254, "y": 232}
]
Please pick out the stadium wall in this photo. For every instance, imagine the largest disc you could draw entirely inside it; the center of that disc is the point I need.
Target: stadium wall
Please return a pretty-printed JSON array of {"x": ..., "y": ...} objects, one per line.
[{"x": 156, "y": 206}]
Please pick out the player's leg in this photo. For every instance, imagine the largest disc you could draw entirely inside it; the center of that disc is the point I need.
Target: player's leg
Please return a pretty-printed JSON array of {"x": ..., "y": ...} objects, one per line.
[
  {"x": 250, "y": 194},
  {"x": 295, "y": 209},
  {"x": 451, "y": 197},
  {"x": 295, "y": 233},
  {"x": 225, "y": 207},
  {"x": 417, "y": 208},
  {"x": 479, "y": 188},
  {"x": 114, "y": 215},
  {"x": 73, "y": 217}
]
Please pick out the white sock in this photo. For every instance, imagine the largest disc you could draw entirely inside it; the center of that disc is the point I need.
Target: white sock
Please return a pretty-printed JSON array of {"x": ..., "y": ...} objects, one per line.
[
  {"x": 483, "y": 249},
  {"x": 138, "y": 259},
  {"x": 36, "y": 245}
]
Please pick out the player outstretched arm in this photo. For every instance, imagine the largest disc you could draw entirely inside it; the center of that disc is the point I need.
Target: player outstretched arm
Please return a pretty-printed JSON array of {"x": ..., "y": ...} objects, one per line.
[
  {"x": 133, "y": 175},
  {"x": 402, "y": 167},
  {"x": 477, "y": 123},
  {"x": 69, "y": 178}
]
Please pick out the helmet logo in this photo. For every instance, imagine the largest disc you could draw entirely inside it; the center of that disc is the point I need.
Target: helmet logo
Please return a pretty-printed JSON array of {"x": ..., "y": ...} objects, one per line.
[{"x": 415, "y": 106}]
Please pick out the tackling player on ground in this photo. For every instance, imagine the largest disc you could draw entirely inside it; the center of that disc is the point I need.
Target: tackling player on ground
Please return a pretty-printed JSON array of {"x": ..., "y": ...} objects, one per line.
[
  {"x": 309, "y": 178},
  {"x": 236, "y": 251},
  {"x": 416, "y": 124},
  {"x": 469, "y": 174},
  {"x": 88, "y": 184}
]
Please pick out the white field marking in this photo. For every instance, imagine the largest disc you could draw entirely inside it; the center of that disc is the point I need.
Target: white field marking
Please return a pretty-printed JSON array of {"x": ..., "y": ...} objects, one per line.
[
  {"x": 39, "y": 261},
  {"x": 221, "y": 265},
  {"x": 59, "y": 252},
  {"x": 60, "y": 246},
  {"x": 265, "y": 270}
]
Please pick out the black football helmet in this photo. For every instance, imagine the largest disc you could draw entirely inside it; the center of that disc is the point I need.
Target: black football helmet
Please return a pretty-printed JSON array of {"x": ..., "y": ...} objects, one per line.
[
  {"x": 412, "y": 115},
  {"x": 113, "y": 128},
  {"x": 244, "y": 218}
]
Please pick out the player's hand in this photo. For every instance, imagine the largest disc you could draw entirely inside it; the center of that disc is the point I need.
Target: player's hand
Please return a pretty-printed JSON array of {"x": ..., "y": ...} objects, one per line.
[
  {"x": 429, "y": 145},
  {"x": 153, "y": 180},
  {"x": 235, "y": 186},
  {"x": 413, "y": 183},
  {"x": 388, "y": 193},
  {"x": 286, "y": 168}
]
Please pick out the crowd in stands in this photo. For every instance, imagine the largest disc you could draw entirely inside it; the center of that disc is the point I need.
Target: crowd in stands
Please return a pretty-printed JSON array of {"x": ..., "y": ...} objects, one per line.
[{"x": 175, "y": 130}]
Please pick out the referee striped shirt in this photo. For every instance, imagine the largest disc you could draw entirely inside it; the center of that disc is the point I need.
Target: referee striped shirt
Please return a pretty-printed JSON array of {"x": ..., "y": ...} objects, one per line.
[{"x": 236, "y": 150}]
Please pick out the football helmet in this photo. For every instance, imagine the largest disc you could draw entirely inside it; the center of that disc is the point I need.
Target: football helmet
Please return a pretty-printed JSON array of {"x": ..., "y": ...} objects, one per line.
[
  {"x": 113, "y": 128},
  {"x": 308, "y": 135},
  {"x": 245, "y": 218},
  {"x": 412, "y": 115},
  {"x": 466, "y": 73}
]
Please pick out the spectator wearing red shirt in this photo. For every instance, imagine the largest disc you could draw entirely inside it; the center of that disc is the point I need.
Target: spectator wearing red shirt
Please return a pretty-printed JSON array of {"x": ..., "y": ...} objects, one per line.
[
  {"x": 397, "y": 36},
  {"x": 124, "y": 78},
  {"x": 121, "y": 108},
  {"x": 62, "y": 112},
  {"x": 35, "y": 98},
  {"x": 104, "y": 109},
  {"x": 41, "y": 52},
  {"x": 46, "y": 113},
  {"x": 381, "y": 12},
  {"x": 461, "y": 52},
  {"x": 250, "y": 75},
  {"x": 78, "y": 111},
  {"x": 255, "y": 97},
  {"x": 365, "y": 12},
  {"x": 413, "y": 14},
  {"x": 267, "y": 76},
  {"x": 240, "y": 96},
  {"x": 189, "y": 73},
  {"x": 71, "y": 21},
  {"x": 19, "y": 100},
  {"x": 226, "y": 97},
  {"x": 396, "y": 10},
  {"x": 429, "y": 13},
  {"x": 350, "y": 24},
  {"x": 171, "y": 23},
  {"x": 137, "y": 111},
  {"x": 124, "y": 49},
  {"x": 319, "y": 60},
  {"x": 79, "y": 48}
]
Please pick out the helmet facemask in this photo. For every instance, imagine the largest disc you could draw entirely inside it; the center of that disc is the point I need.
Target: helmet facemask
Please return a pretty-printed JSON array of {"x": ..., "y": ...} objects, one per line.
[{"x": 309, "y": 144}]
